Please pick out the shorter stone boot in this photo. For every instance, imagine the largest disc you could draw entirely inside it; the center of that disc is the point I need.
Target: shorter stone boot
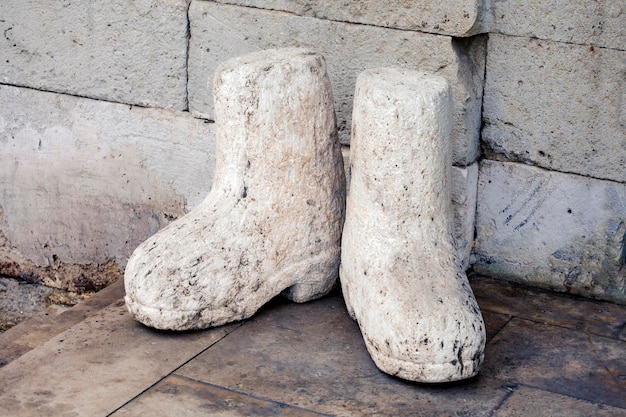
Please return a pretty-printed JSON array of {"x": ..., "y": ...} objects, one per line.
[
  {"x": 272, "y": 221},
  {"x": 400, "y": 273}
]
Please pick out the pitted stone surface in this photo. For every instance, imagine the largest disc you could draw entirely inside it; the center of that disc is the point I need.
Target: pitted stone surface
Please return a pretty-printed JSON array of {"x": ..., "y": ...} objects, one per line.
[
  {"x": 446, "y": 17},
  {"x": 554, "y": 230},
  {"x": 272, "y": 221},
  {"x": 128, "y": 51},
  {"x": 83, "y": 182},
  {"x": 598, "y": 22},
  {"x": 220, "y": 32},
  {"x": 400, "y": 273},
  {"x": 555, "y": 105},
  {"x": 464, "y": 182}
]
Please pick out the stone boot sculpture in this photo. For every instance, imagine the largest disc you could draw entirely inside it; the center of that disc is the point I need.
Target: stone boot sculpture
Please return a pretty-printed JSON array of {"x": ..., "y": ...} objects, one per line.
[
  {"x": 399, "y": 271},
  {"x": 272, "y": 221}
]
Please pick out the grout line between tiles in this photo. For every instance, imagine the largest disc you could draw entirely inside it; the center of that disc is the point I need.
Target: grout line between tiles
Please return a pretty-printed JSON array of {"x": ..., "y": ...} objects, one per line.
[
  {"x": 569, "y": 329},
  {"x": 598, "y": 403},
  {"x": 510, "y": 389},
  {"x": 256, "y": 397},
  {"x": 619, "y": 331},
  {"x": 500, "y": 329},
  {"x": 175, "y": 369},
  {"x": 596, "y": 355},
  {"x": 615, "y": 335}
]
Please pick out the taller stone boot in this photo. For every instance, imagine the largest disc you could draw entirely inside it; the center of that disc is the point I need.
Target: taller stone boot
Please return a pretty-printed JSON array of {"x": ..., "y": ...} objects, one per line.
[
  {"x": 272, "y": 221},
  {"x": 400, "y": 274}
]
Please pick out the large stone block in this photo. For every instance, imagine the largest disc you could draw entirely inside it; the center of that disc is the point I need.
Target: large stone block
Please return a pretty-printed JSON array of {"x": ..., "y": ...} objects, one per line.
[
  {"x": 556, "y": 105},
  {"x": 129, "y": 51},
  {"x": 446, "y": 17},
  {"x": 83, "y": 182},
  {"x": 554, "y": 230},
  {"x": 219, "y": 32},
  {"x": 597, "y": 22}
]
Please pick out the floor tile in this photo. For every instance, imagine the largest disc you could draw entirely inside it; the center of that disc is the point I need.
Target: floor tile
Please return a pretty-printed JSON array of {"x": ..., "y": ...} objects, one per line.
[
  {"x": 527, "y": 401},
  {"x": 182, "y": 397},
  {"x": 559, "y": 360},
  {"x": 96, "y": 366},
  {"x": 278, "y": 313},
  {"x": 494, "y": 322},
  {"x": 312, "y": 356},
  {"x": 597, "y": 317},
  {"x": 46, "y": 324}
]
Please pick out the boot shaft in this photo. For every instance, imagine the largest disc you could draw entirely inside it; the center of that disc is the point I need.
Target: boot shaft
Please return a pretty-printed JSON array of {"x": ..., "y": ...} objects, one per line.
[
  {"x": 274, "y": 118},
  {"x": 402, "y": 143}
]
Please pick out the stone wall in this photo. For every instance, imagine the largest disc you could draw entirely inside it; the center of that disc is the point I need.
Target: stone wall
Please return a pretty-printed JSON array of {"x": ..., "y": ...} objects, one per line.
[
  {"x": 107, "y": 133},
  {"x": 552, "y": 182}
]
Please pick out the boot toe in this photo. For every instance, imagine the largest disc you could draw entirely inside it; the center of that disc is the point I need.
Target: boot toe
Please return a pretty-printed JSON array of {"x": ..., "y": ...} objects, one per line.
[
  {"x": 428, "y": 358},
  {"x": 432, "y": 339}
]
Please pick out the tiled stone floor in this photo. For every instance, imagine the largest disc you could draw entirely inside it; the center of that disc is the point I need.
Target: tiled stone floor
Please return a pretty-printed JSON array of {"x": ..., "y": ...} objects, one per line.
[{"x": 547, "y": 355}]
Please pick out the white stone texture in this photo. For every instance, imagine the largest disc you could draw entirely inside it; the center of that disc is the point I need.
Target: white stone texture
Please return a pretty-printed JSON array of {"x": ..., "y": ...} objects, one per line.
[
  {"x": 446, "y": 17},
  {"x": 464, "y": 182},
  {"x": 556, "y": 105},
  {"x": 585, "y": 22},
  {"x": 549, "y": 229},
  {"x": 272, "y": 221},
  {"x": 129, "y": 51},
  {"x": 84, "y": 181},
  {"x": 222, "y": 31},
  {"x": 400, "y": 273}
]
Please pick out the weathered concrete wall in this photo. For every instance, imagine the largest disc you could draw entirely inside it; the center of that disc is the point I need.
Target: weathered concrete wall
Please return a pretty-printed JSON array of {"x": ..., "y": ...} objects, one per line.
[
  {"x": 219, "y": 32},
  {"x": 555, "y": 98},
  {"x": 556, "y": 105},
  {"x": 446, "y": 17},
  {"x": 584, "y": 22},
  {"x": 129, "y": 51},
  {"x": 83, "y": 182},
  {"x": 560, "y": 231}
]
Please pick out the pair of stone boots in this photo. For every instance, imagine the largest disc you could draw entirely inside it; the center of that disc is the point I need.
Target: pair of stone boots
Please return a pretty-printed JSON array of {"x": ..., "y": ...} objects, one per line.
[{"x": 272, "y": 223}]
